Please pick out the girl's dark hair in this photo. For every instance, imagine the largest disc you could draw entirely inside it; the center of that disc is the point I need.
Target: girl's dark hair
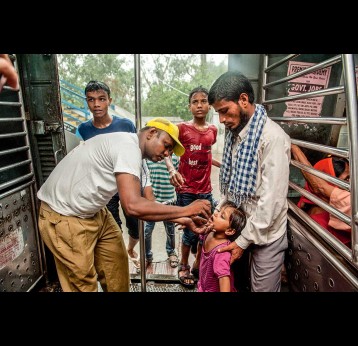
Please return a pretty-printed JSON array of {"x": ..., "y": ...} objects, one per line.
[
  {"x": 94, "y": 85},
  {"x": 237, "y": 219}
]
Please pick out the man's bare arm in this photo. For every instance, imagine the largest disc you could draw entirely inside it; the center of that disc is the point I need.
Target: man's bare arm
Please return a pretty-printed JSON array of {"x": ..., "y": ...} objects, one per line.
[
  {"x": 318, "y": 185},
  {"x": 137, "y": 206}
]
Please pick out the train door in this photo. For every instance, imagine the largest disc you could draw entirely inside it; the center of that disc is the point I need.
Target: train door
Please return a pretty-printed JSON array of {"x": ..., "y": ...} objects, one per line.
[
  {"x": 314, "y": 98},
  {"x": 31, "y": 143}
]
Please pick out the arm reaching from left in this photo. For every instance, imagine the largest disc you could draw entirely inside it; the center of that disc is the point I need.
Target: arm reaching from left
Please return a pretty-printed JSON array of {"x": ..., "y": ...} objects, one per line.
[{"x": 8, "y": 73}]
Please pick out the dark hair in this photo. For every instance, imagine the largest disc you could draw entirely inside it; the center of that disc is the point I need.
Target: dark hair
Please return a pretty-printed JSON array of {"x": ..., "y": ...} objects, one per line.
[
  {"x": 199, "y": 89},
  {"x": 94, "y": 85},
  {"x": 237, "y": 219},
  {"x": 339, "y": 165},
  {"x": 229, "y": 86}
]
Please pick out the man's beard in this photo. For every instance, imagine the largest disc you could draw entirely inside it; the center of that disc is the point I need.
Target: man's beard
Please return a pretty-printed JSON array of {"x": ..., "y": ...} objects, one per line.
[{"x": 244, "y": 119}]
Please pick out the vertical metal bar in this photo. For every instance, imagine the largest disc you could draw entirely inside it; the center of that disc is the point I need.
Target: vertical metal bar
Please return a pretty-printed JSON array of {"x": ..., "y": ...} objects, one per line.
[
  {"x": 263, "y": 77},
  {"x": 352, "y": 115},
  {"x": 138, "y": 121}
]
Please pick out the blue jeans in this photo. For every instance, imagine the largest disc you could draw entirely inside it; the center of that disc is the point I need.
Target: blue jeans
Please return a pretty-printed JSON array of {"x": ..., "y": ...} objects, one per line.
[
  {"x": 190, "y": 238},
  {"x": 170, "y": 244}
]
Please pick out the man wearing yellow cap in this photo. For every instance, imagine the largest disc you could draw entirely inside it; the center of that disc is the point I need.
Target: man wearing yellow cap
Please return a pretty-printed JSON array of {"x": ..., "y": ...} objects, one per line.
[{"x": 74, "y": 222}]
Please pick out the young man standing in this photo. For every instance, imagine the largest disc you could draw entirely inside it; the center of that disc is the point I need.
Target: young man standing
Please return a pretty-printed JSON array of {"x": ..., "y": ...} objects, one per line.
[
  {"x": 192, "y": 179},
  {"x": 164, "y": 192}
]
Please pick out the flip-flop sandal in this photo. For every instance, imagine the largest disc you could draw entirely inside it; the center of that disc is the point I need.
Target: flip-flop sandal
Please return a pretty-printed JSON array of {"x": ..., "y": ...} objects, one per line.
[
  {"x": 136, "y": 262},
  {"x": 186, "y": 276},
  {"x": 173, "y": 260}
]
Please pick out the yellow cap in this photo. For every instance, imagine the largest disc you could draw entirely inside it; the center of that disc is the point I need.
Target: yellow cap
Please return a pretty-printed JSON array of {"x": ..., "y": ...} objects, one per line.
[{"x": 171, "y": 129}]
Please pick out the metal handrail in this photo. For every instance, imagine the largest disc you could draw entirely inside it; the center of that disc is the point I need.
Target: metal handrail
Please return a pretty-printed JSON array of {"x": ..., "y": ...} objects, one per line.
[{"x": 350, "y": 90}]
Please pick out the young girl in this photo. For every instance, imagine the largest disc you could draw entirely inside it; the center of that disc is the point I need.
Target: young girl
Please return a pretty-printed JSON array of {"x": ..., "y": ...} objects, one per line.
[{"x": 215, "y": 273}]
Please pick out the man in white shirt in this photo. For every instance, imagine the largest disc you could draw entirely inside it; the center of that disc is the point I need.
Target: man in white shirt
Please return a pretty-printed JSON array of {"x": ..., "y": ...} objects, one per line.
[
  {"x": 254, "y": 174},
  {"x": 74, "y": 222}
]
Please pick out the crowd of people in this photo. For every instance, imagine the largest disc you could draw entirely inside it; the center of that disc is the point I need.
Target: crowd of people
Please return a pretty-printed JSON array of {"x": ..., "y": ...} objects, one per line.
[{"x": 117, "y": 166}]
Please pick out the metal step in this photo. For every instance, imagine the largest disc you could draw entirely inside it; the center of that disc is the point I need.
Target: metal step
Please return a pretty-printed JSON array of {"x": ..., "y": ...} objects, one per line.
[{"x": 153, "y": 286}]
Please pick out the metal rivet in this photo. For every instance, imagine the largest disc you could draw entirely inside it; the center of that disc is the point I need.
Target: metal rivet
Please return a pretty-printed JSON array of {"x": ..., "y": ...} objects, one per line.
[
  {"x": 308, "y": 256},
  {"x": 306, "y": 273},
  {"x": 315, "y": 285},
  {"x": 319, "y": 269},
  {"x": 331, "y": 282}
]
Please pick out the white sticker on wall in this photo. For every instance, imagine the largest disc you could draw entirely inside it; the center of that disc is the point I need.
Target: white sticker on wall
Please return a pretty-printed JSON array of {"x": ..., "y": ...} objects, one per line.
[
  {"x": 314, "y": 81},
  {"x": 11, "y": 246}
]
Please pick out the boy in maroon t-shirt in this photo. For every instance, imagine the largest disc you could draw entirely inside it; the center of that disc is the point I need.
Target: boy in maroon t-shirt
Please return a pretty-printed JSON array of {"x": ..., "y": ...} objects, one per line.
[{"x": 192, "y": 180}]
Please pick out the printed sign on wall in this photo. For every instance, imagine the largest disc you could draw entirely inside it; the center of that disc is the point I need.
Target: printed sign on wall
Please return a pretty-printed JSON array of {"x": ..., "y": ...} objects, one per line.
[
  {"x": 11, "y": 246},
  {"x": 314, "y": 81}
]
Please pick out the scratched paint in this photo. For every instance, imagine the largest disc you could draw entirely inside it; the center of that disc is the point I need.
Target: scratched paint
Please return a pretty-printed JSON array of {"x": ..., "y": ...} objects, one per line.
[{"x": 11, "y": 246}]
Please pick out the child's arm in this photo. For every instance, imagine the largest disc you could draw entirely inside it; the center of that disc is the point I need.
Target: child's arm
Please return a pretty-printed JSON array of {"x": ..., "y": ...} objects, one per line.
[
  {"x": 175, "y": 177},
  {"x": 216, "y": 163},
  {"x": 224, "y": 284}
]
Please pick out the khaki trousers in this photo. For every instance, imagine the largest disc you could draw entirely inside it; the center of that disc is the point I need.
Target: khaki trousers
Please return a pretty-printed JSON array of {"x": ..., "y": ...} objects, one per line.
[{"x": 86, "y": 250}]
